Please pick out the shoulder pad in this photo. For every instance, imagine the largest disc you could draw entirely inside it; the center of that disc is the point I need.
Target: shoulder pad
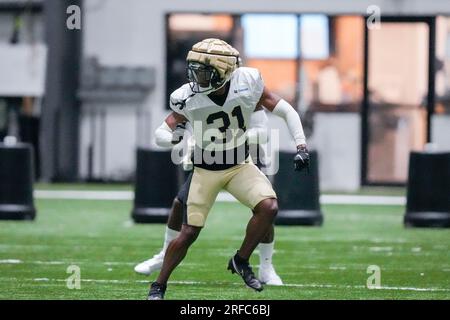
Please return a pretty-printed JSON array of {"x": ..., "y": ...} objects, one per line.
[{"x": 251, "y": 74}]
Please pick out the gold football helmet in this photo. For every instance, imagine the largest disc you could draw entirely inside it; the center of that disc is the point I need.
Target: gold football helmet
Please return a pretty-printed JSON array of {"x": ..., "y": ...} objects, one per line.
[{"x": 210, "y": 64}]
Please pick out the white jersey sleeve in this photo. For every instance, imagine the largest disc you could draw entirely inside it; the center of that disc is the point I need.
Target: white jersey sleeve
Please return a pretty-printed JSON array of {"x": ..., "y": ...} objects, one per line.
[{"x": 178, "y": 99}]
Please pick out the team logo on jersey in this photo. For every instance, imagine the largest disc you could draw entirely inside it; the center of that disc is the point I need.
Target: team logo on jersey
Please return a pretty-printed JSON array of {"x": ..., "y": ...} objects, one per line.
[
  {"x": 181, "y": 104},
  {"x": 241, "y": 90}
]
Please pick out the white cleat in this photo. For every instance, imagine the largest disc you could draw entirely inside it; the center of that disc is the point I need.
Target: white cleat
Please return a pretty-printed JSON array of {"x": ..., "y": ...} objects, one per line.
[
  {"x": 268, "y": 276},
  {"x": 149, "y": 266}
]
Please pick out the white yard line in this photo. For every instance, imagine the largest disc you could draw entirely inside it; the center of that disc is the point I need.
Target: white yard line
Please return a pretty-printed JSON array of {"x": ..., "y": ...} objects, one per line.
[
  {"x": 10, "y": 261},
  {"x": 189, "y": 282},
  {"x": 194, "y": 264},
  {"x": 222, "y": 197},
  {"x": 71, "y": 262}
]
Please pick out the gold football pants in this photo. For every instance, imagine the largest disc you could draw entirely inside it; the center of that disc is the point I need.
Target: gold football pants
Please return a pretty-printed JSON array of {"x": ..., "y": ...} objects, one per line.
[{"x": 244, "y": 181}]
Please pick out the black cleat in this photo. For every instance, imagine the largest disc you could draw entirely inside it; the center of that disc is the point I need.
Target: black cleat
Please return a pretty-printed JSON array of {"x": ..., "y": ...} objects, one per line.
[
  {"x": 157, "y": 291},
  {"x": 242, "y": 267}
]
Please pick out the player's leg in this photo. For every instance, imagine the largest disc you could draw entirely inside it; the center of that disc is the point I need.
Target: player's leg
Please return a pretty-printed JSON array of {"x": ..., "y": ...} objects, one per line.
[
  {"x": 197, "y": 199},
  {"x": 257, "y": 227},
  {"x": 177, "y": 251},
  {"x": 175, "y": 219},
  {"x": 269, "y": 236},
  {"x": 252, "y": 188},
  {"x": 267, "y": 274},
  {"x": 174, "y": 255},
  {"x": 259, "y": 224},
  {"x": 173, "y": 228}
]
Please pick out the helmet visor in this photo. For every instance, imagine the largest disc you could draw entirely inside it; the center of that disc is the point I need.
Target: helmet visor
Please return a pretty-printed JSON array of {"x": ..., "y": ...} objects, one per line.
[{"x": 201, "y": 76}]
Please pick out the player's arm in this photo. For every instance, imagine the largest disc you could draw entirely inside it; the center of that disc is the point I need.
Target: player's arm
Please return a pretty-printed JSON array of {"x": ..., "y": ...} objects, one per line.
[
  {"x": 171, "y": 131},
  {"x": 283, "y": 109}
]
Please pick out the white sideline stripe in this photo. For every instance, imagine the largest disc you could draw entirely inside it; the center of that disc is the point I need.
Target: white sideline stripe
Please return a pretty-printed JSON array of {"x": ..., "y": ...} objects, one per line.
[
  {"x": 296, "y": 285},
  {"x": 357, "y": 199},
  {"x": 84, "y": 195},
  {"x": 222, "y": 197}
]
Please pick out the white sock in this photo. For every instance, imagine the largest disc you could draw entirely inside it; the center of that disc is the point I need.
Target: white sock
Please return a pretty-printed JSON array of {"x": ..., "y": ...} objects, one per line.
[
  {"x": 169, "y": 236},
  {"x": 266, "y": 253}
]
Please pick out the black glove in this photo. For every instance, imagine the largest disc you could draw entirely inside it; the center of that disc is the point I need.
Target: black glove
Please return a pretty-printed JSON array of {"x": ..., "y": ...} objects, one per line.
[
  {"x": 178, "y": 133},
  {"x": 301, "y": 159}
]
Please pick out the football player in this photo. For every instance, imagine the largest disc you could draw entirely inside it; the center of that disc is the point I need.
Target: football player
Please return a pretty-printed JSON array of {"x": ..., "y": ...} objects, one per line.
[
  {"x": 257, "y": 134},
  {"x": 218, "y": 101}
]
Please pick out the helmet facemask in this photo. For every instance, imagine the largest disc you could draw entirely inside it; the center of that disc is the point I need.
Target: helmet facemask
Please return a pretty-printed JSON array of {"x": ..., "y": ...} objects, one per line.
[{"x": 203, "y": 78}]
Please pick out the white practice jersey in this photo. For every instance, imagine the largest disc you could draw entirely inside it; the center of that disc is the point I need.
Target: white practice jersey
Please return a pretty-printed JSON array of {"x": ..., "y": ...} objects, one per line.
[{"x": 218, "y": 127}]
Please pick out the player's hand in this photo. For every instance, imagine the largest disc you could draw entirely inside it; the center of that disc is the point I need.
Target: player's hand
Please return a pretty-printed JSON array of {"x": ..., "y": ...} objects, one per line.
[
  {"x": 178, "y": 133},
  {"x": 301, "y": 159}
]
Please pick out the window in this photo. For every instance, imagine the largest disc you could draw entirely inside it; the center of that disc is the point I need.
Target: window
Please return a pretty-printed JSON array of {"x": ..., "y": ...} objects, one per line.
[
  {"x": 313, "y": 61},
  {"x": 314, "y": 36},
  {"x": 332, "y": 78},
  {"x": 270, "y": 44},
  {"x": 270, "y": 36}
]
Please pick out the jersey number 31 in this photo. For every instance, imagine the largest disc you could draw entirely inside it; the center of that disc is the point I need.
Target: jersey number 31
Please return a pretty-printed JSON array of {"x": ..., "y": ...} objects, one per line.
[{"x": 237, "y": 112}]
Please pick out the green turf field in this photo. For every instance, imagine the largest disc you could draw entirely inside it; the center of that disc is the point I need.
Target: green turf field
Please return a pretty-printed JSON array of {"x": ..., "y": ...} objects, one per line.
[{"x": 329, "y": 262}]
